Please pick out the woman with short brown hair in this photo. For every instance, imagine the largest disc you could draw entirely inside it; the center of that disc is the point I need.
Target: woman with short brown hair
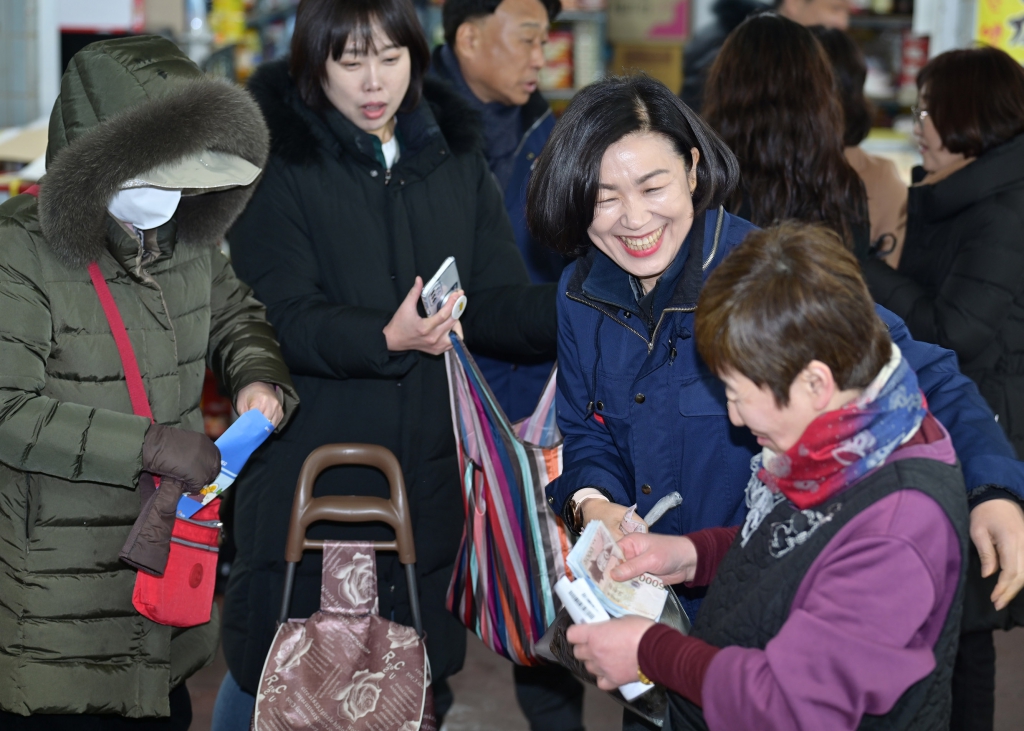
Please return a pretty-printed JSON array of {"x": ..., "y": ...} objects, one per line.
[
  {"x": 960, "y": 282},
  {"x": 959, "y": 278},
  {"x": 838, "y": 598}
]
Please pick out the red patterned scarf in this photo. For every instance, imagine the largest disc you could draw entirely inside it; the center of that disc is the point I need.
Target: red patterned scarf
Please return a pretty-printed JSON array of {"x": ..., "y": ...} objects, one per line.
[{"x": 843, "y": 445}]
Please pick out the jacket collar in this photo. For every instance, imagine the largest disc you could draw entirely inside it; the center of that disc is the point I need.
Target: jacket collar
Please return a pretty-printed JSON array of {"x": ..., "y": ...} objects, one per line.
[
  {"x": 536, "y": 108},
  {"x": 999, "y": 169},
  {"x": 598, "y": 279},
  {"x": 443, "y": 122},
  {"x": 136, "y": 252},
  {"x": 418, "y": 131}
]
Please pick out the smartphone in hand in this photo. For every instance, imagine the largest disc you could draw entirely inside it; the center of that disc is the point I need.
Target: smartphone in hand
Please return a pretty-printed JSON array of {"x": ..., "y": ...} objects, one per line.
[{"x": 440, "y": 287}]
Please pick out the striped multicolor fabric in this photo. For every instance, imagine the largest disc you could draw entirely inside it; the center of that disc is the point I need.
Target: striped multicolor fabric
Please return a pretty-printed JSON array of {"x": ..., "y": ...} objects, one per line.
[{"x": 514, "y": 547}]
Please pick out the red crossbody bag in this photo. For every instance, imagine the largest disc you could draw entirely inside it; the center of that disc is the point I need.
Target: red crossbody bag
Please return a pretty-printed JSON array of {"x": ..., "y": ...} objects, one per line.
[{"x": 183, "y": 595}]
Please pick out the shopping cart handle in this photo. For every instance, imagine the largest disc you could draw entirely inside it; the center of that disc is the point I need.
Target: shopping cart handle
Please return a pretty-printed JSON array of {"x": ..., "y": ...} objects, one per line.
[{"x": 307, "y": 510}]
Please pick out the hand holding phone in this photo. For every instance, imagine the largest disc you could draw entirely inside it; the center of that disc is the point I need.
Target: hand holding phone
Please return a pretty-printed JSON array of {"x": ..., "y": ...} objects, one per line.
[
  {"x": 443, "y": 285},
  {"x": 408, "y": 331}
]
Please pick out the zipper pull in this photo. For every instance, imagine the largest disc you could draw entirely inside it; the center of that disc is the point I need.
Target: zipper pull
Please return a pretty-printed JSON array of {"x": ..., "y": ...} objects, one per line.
[{"x": 387, "y": 176}]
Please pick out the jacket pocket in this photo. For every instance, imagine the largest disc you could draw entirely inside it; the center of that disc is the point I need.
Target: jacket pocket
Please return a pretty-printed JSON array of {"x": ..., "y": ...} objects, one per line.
[
  {"x": 702, "y": 397},
  {"x": 612, "y": 396}
]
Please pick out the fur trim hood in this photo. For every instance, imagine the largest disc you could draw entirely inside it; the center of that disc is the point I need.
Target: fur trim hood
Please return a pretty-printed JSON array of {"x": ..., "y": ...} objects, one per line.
[
  {"x": 296, "y": 131},
  {"x": 125, "y": 107}
]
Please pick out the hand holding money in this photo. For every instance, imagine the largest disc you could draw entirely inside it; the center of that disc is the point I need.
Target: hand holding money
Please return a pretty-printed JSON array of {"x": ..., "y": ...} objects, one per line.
[
  {"x": 595, "y": 556},
  {"x": 671, "y": 559},
  {"x": 584, "y": 608}
]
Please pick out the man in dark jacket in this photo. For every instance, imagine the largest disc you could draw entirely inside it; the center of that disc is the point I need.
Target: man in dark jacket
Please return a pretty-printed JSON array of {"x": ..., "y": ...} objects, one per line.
[
  {"x": 491, "y": 57},
  {"x": 702, "y": 50}
]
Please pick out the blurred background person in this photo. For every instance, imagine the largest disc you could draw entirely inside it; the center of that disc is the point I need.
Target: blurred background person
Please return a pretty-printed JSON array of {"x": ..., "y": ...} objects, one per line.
[
  {"x": 133, "y": 186},
  {"x": 492, "y": 57},
  {"x": 960, "y": 283},
  {"x": 374, "y": 178},
  {"x": 703, "y": 48},
  {"x": 792, "y": 164},
  {"x": 887, "y": 194}
]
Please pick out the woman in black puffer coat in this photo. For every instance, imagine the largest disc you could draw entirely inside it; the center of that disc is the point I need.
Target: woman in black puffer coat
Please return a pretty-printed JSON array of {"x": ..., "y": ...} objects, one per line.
[
  {"x": 960, "y": 277},
  {"x": 370, "y": 185},
  {"x": 959, "y": 282}
]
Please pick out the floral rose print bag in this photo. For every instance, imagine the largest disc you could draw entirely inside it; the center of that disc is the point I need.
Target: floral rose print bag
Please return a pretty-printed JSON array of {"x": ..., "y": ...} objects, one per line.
[{"x": 345, "y": 667}]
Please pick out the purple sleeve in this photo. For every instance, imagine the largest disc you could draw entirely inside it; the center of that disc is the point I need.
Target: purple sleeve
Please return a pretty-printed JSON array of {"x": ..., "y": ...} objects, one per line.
[{"x": 860, "y": 631}]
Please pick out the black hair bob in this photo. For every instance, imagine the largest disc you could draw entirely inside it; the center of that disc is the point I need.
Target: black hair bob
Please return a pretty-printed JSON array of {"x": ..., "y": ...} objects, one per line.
[
  {"x": 563, "y": 187},
  {"x": 322, "y": 30}
]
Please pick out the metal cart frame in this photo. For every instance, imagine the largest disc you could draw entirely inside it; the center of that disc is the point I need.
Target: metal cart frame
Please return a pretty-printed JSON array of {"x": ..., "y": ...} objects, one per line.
[{"x": 307, "y": 510}]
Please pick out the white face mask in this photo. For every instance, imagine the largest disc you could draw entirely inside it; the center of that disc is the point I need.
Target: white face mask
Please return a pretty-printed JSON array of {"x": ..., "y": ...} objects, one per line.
[{"x": 144, "y": 208}]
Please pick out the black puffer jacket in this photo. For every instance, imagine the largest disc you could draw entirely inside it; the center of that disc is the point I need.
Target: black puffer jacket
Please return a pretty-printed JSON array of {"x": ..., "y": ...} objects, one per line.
[
  {"x": 960, "y": 281},
  {"x": 331, "y": 244}
]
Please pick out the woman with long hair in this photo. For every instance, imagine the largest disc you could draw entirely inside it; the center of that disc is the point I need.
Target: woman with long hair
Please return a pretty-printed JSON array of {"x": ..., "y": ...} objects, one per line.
[
  {"x": 887, "y": 193},
  {"x": 958, "y": 284},
  {"x": 771, "y": 96},
  {"x": 376, "y": 175}
]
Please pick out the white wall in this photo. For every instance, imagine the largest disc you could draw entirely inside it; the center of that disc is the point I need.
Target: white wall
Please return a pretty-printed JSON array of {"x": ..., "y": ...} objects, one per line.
[
  {"x": 48, "y": 70},
  {"x": 949, "y": 24}
]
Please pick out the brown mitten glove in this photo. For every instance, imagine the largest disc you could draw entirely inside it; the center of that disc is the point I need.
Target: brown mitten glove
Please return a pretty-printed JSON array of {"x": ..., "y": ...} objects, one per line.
[
  {"x": 149, "y": 543},
  {"x": 186, "y": 462},
  {"x": 189, "y": 457}
]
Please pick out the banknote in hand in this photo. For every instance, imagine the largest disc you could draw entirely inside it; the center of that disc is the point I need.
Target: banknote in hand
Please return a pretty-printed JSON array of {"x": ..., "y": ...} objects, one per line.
[{"x": 593, "y": 558}]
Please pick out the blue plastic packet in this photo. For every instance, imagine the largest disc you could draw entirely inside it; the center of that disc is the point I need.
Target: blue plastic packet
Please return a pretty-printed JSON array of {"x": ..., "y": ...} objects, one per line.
[{"x": 236, "y": 445}]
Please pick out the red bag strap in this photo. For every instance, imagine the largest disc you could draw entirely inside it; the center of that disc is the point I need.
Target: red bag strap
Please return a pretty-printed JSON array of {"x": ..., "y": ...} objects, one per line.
[{"x": 136, "y": 389}]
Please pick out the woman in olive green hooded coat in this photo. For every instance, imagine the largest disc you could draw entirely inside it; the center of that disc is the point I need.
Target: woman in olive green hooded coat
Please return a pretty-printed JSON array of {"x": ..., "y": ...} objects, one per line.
[{"x": 71, "y": 449}]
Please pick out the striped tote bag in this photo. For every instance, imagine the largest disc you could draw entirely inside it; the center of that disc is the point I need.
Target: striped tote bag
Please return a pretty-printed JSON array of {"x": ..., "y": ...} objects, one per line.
[{"x": 514, "y": 546}]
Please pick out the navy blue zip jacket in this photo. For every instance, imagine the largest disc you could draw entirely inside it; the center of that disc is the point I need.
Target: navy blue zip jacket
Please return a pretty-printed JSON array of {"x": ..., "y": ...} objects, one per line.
[
  {"x": 516, "y": 385},
  {"x": 642, "y": 415}
]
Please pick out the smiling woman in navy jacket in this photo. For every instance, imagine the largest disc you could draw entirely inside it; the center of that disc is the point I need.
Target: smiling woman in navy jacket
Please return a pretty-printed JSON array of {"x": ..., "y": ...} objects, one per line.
[{"x": 631, "y": 180}]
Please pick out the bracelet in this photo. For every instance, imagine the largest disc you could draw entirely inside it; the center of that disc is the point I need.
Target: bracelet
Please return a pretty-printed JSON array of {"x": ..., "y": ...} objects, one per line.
[{"x": 643, "y": 678}]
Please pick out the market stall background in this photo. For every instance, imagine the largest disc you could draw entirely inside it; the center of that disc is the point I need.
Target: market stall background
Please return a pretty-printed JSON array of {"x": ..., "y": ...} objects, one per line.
[{"x": 591, "y": 38}]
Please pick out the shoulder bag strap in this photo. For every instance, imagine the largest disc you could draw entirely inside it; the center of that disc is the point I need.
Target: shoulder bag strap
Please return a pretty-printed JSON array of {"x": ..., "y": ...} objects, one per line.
[{"x": 136, "y": 389}]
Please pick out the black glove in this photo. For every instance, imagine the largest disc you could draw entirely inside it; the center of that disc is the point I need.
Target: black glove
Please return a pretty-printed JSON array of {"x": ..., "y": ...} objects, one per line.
[{"x": 189, "y": 457}]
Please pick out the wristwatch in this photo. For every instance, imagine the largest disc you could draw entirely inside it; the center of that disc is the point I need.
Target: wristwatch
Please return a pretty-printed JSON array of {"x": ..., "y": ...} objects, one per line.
[{"x": 573, "y": 513}]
